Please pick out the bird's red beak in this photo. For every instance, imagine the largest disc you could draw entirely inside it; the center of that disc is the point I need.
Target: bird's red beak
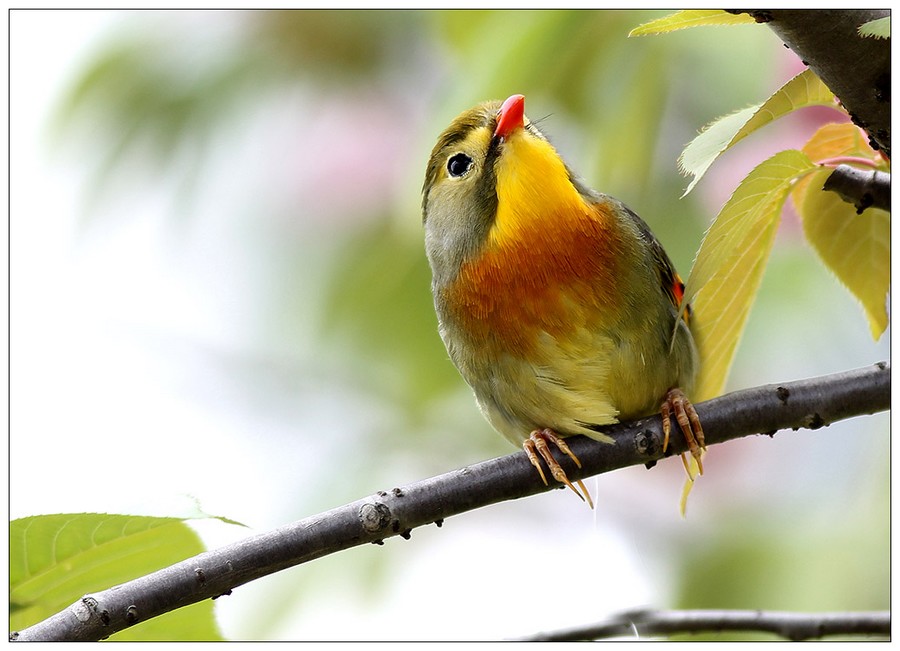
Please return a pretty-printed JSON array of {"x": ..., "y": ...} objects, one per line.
[{"x": 511, "y": 116}]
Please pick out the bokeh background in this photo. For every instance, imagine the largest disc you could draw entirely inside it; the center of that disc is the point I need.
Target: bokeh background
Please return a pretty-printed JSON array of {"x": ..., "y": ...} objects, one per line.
[{"x": 220, "y": 302}]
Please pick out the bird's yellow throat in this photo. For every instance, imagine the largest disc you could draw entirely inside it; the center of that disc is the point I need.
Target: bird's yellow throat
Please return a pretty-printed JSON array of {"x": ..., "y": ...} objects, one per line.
[{"x": 533, "y": 189}]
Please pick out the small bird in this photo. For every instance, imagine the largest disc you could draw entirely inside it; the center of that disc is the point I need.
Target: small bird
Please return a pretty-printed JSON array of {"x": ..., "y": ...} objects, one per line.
[{"x": 556, "y": 303}]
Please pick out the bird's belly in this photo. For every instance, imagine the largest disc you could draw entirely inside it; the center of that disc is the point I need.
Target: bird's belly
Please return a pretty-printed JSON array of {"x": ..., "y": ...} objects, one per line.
[
  {"x": 561, "y": 385},
  {"x": 567, "y": 384}
]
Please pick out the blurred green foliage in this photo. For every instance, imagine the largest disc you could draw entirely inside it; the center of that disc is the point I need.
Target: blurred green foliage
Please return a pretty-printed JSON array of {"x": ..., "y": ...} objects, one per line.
[{"x": 764, "y": 561}]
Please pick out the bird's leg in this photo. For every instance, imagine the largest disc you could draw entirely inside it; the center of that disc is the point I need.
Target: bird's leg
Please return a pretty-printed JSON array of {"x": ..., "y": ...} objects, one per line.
[
  {"x": 677, "y": 404},
  {"x": 537, "y": 444}
]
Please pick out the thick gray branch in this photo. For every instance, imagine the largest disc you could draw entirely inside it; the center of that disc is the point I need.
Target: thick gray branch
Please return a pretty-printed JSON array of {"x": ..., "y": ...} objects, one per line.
[
  {"x": 811, "y": 403},
  {"x": 791, "y": 626},
  {"x": 857, "y": 69},
  {"x": 862, "y": 188}
]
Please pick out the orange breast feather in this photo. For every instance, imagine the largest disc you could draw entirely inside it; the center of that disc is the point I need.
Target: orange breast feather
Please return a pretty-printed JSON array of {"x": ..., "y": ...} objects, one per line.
[{"x": 554, "y": 273}]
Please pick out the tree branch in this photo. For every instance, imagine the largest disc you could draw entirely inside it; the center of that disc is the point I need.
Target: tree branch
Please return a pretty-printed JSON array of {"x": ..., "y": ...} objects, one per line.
[
  {"x": 857, "y": 69},
  {"x": 810, "y": 403},
  {"x": 791, "y": 626},
  {"x": 862, "y": 188}
]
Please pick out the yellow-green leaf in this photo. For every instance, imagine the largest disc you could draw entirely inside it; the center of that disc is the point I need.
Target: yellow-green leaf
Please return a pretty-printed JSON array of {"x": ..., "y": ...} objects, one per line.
[
  {"x": 715, "y": 138},
  {"x": 806, "y": 89},
  {"x": 728, "y": 269},
  {"x": 857, "y": 248},
  {"x": 56, "y": 559},
  {"x": 693, "y": 471},
  {"x": 691, "y": 18},
  {"x": 878, "y": 28},
  {"x": 841, "y": 140}
]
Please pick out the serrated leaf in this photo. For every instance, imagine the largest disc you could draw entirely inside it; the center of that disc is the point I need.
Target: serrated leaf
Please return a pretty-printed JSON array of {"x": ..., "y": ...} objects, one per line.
[
  {"x": 56, "y": 559},
  {"x": 841, "y": 140},
  {"x": 856, "y": 248},
  {"x": 691, "y": 18},
  {"x": 724, "y": 309},
  {"x": 878, "y": 28},
  {"x": 715, "y": 138},
  {"x": 806, "y": 89},
  {"x": 749, "y": 205},
  {"x": 728, "y": 269}
]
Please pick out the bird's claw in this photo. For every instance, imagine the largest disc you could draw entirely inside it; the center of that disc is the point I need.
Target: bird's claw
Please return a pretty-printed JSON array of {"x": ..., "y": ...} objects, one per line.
[
  {"x": 676, "y": 404},
  {"x": 537, "y": 448}
]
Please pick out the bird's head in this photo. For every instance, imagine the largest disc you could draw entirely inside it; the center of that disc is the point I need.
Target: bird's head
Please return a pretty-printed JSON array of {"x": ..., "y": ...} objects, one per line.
[{"x": 491, "y": 175}]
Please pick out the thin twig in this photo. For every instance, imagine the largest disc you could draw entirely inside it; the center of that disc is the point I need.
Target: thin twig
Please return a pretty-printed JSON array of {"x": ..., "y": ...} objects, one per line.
[
  {"x": 810, "y": 403},
  {"x": 791, "y": 626}
]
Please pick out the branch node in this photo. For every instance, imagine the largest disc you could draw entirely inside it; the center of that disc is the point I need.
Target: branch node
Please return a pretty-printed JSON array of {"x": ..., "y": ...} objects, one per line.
[
  {"x": 131, "y": 614},
  {"x": 815, "y": 421},
  {"x": 374, "y": 516}
]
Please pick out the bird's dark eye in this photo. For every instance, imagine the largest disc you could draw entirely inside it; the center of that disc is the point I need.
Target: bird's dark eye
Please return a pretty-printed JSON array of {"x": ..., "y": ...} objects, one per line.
[{"x": 459, "y": 164}]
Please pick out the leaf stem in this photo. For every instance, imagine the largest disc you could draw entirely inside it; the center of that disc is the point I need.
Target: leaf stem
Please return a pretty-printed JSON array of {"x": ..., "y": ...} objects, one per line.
[{"x": 848, "y": 160}]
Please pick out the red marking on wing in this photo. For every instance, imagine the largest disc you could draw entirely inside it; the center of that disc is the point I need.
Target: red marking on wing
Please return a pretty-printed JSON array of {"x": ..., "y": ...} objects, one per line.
[{"x": 678, "y": 290}]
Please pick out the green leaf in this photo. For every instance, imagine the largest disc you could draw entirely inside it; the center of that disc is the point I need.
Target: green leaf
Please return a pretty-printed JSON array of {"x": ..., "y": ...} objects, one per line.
[
  {"x": 715, "y": 138},
  {"x": 857, "y": 248},
  {"x": 842, "y": 140},
  {"x": 729, "y": 266},
  {"x": 54, "y": 560},
  {"x": 691, "y": 18},
  {"x": 806, "y": 89},
  {"x": 878, "y": 28}
]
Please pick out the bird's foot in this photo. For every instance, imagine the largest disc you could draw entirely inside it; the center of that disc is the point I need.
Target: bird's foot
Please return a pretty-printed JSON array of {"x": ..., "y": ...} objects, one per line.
[
  {"x": 676, "y": 404},
  {"x": 537, "y": 444}
]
